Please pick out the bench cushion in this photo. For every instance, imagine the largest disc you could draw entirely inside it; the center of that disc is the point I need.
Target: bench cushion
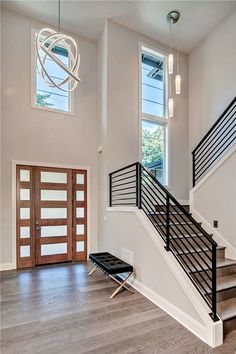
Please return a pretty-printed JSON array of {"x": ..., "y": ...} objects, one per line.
[{"x": 109, "y": 263}]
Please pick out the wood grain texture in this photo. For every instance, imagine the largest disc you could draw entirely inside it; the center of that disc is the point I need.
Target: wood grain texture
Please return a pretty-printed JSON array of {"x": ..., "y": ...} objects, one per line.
[{"x": 59, "y": 309}]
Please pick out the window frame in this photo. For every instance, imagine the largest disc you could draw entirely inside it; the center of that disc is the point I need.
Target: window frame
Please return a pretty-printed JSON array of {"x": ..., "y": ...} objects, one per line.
[
  {"x": 165, "y": 121},
  {"x": 71, "y": 112}
]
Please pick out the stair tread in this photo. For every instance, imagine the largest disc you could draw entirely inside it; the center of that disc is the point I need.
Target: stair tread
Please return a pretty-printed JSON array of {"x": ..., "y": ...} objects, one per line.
[
  {"x": 227, "y": 309},
  {"x": 177, "y": 223},
  {"x": 190, "y": 235},
  {"x": 197, "y": 250}
]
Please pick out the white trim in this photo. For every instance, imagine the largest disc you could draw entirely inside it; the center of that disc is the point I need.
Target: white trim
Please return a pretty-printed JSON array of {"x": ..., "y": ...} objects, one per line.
[
  {"x": 7, "y": 266},
  {"x": 48, "y": 164},
  {"x": 71, "y": 112},
  {"x": 214, "y": 169},
  {"x": 122, "y": 209},
  {"x": 183, "y": 202},
  {"x": 163, "y": 120},
  {"x": 230, "y": 251}
]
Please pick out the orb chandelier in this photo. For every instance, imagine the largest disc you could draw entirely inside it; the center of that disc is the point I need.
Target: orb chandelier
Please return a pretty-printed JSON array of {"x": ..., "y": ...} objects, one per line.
[{"x": 46, "y": 41}]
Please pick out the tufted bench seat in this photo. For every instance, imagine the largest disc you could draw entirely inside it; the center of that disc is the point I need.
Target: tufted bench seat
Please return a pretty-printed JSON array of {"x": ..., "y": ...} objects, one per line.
[{"x": 111, "y": 265}]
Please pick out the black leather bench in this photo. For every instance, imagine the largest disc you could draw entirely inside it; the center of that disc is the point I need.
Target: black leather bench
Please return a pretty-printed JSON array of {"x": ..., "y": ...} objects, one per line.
[{"x": 112, "y": 265}]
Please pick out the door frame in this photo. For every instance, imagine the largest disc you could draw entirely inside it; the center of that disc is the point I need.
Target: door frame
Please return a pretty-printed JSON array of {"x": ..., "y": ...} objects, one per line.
[{"x": 53, "y": 165}]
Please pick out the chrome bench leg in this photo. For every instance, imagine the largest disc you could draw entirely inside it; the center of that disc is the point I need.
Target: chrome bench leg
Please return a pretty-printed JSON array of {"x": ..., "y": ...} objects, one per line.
[
  {"x": 93, "y": 270},
  {"x": 122, "y": 285}
]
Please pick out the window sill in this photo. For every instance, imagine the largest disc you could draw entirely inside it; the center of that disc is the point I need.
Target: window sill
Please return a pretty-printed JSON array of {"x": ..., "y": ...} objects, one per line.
[{"x": 52, "y": 110}]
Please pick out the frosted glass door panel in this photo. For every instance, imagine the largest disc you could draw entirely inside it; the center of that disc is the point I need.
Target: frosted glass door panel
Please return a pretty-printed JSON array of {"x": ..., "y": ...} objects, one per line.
[
  {"x": 80, "y": 212},
  {"x": 24, "y": 175},
  {"x": 53, "y": 195},
  {"x": 24, "y": 232},
  {"x": 53, "y": 248},
  {"x": 80, "y": 246},
  {"x": 24, "y": 213},
  {"x": 24, "y": 251},
  {"x": 79, "y": 229},
  {"x": 53, "y": 213},
  {"x": 53, "y": 177},
  {"x": 50, "y": 231},
  {"x": 79, "y": 196},
  {"x": 24, "y": 194},
  {"x": 79, "y": 178}
]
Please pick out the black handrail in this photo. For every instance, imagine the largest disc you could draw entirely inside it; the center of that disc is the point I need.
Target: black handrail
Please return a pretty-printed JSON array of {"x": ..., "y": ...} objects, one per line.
[
  {"x": 183, "y": 236},
  {"x": 215, "y": 143}
]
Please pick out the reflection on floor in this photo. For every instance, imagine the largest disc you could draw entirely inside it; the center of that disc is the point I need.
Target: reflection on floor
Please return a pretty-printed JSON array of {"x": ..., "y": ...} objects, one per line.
[{"x": 60, "y": 310}]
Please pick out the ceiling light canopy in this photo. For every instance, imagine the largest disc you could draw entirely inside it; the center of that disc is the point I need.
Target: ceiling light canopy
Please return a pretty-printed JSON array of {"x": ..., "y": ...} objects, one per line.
[{"x": 47, "y": 39}]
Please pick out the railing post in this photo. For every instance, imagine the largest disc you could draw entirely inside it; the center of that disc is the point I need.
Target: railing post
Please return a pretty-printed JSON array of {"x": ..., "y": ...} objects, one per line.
[
  {"x": 213, "y": 290},
  {"x": 194, "y": 169},
  {"x": 167, "y": 247},
  {"x": 138, "y": 186},
  {"x": 110, "y": 189}
]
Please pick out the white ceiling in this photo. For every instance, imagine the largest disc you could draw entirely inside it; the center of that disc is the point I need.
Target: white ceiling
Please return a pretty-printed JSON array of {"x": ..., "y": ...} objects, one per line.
[{"x": 87, "y": 18}]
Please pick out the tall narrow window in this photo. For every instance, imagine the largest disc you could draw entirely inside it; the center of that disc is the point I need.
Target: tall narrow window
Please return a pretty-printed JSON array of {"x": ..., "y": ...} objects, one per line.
[
  {"x": 44, "y": 96},
  {"x": 154, "y": 119}
]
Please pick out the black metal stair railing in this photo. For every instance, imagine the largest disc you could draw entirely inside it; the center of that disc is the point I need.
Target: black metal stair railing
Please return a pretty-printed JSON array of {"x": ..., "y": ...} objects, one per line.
[
  {"x": 215, "y": 144},
  {"x": 183, "y": 236}
]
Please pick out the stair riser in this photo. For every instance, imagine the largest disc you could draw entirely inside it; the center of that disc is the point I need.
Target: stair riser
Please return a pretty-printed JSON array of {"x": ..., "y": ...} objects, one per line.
[
  {"x": 181, "y": 230},
  {"x": 229, "y": 326},
  {"x": 190, "y": 242},
  {"x": 220, "y": 272},
  {"x": 226, "y": 294},
  {"x": 173, "y": 218}
]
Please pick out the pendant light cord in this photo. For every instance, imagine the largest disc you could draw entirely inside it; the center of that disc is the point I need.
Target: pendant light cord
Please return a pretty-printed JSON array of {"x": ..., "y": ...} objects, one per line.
[{"x": 59, "y": 15}]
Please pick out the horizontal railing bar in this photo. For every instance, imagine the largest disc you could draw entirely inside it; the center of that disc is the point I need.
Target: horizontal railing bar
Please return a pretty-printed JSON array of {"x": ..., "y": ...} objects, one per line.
[
  {"x": 210, "y": 147},
  {"x": 216, "y": 157},
  {"x": 215, "y": 124},
  {"x": 216, "y": 133},
  {"x": 124, "y": 178},
  {"x": 123, "y": 184},
  {"x": 116, "y": 199},
  {"x": 123, "y": 189},
  {"x": 189, "y": 259},
  {"x": 123, "y": 168},
  {"x": 209, "y": 152},
  {"x": 123, "y": 174},
  {"x": 126, "y": 193},
  {"x": 155, "y": 194}
]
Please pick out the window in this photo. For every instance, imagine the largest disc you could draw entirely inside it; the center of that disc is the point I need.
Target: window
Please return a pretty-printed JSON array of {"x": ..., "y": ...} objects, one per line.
[
  {"x": 155, "y": 126},
  {"x": 44, "y": 96}
]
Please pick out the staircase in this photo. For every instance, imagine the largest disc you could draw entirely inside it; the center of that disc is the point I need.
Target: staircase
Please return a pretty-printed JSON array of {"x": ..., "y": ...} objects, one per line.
[
  {"x": 204, "y": 262},
  {"x": 201, "y": 258}
]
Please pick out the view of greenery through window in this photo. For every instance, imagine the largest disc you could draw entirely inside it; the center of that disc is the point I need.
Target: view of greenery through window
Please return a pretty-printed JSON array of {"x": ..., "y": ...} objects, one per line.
[
  {"x": 52, "y": 97},
  {"x": 153, "y": 107}
]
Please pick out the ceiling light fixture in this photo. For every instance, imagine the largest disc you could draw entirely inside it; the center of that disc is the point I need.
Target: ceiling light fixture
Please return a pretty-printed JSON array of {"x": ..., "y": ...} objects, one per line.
[
  {"x": 46, "y": 41},
  {"x": 172, "y": 18}
]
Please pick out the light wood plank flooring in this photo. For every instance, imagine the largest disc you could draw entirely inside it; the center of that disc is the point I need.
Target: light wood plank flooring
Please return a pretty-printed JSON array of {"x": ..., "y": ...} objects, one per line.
[{"x": 59, "y": 309}]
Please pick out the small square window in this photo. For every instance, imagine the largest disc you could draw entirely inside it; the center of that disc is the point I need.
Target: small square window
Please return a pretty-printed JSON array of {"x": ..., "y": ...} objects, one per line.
[{"x": 44, "y": 96}]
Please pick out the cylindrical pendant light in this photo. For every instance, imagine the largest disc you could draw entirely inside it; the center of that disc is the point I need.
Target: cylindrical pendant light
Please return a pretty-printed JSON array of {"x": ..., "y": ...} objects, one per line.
[
  {"x": 178, "y": 84},
  {"x": 170, "y": 64},
  {"x": 170, "y": 107}
]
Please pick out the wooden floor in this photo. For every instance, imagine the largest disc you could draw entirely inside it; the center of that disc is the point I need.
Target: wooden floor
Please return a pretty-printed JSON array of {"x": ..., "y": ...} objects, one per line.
[{"x": 59, "y": 309}]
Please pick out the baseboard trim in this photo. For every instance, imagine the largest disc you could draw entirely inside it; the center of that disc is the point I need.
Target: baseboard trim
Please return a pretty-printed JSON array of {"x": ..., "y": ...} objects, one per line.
[{"x": 7, "y": 266}]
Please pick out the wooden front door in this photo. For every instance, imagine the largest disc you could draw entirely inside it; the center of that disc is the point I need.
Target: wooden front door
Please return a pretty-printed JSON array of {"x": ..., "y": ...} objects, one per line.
[{"x": 51, "y": 215}]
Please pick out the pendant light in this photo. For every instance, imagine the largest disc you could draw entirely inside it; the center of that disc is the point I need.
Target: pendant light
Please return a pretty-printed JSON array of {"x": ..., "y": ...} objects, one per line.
[
  {"x": 172, "y": 18},
  {"x": 46, "y": 41}
]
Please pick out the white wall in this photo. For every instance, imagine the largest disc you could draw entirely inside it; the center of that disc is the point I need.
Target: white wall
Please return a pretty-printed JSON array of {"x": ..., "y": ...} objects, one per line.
[
  {"x": 212, "y": 79},
  {"x": 215, "y": 199},
  {"x": 35, "y": 135},
  {"x": 212, "y": 86},
  {"x": 150, "y": 267}
]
